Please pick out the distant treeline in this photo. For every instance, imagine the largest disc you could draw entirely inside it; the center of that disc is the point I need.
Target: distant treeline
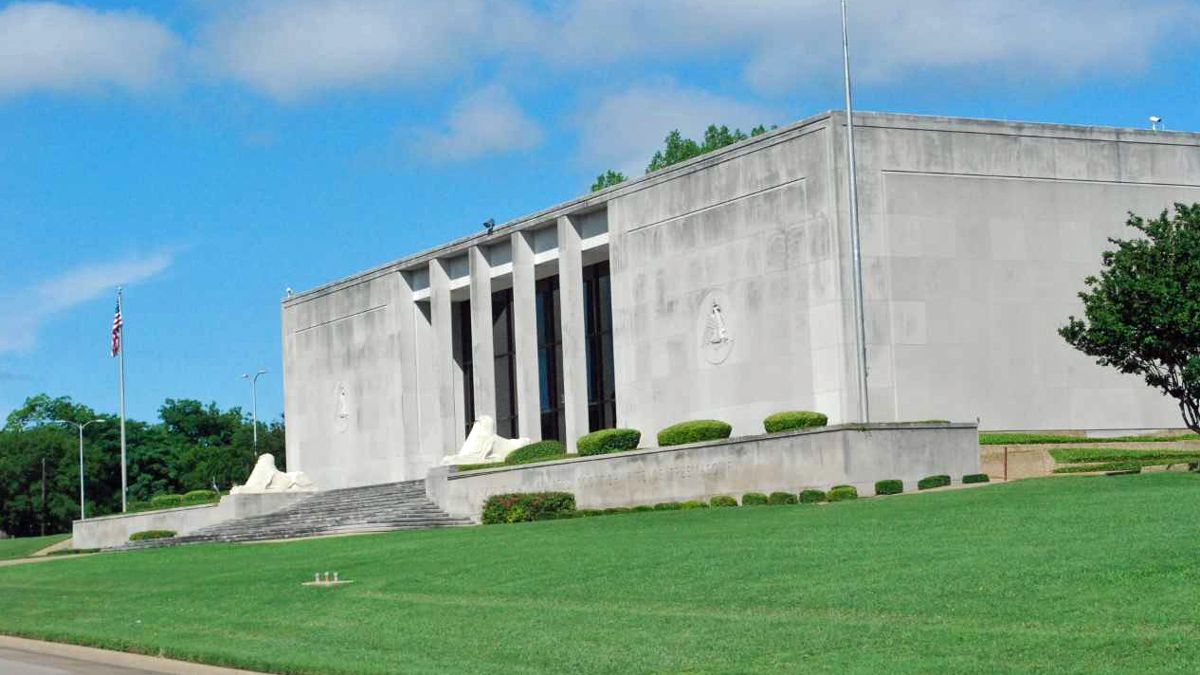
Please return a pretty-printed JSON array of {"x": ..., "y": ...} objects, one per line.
[{"x": 192, "y": 446}]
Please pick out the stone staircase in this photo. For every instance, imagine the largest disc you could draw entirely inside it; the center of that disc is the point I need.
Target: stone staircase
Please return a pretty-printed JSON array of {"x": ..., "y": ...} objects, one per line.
[{"x": 373, "y": 508}]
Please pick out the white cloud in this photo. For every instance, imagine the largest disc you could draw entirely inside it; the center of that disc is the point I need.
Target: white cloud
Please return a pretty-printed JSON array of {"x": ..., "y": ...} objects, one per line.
[
  {"x": 784, "y": 44},
  {"x": 290, "y": 50},
  {"x": 56, "y": 47},
  {"x": 624, "y": 129},
  {"x": 29, "y": 308},
  {"x": 488, "y": 121}
]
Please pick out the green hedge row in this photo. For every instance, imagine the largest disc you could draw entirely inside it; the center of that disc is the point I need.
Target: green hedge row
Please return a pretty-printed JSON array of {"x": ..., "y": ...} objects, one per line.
[
  {"x": 152, "y": 534},
  {"x": 889, "y": 487},
  {"x": 695, "y": 431},
  {"x": 929, "y": 482},
  {"x": 976, "y": 478},
  {"x": 608, "y": 440},
  {"x": 841, "y": 493},
  {"x": 790, "y": 420},
  {"x": 519, "y": 507}
]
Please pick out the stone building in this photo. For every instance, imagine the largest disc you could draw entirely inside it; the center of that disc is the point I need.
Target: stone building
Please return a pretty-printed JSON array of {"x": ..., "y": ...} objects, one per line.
[{"x": 722, "y": 288}]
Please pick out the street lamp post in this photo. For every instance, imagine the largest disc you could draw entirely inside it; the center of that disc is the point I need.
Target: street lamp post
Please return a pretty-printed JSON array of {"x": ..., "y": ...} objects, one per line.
[
  {"x": 81, "y": 427},
  {"x": 254, "y": 403}
]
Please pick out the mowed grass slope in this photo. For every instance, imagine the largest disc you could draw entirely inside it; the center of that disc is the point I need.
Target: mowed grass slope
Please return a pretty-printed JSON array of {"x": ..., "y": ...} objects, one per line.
[
  {"x": 24, "y": 547},
  {"x": 1065, "y": 575}
]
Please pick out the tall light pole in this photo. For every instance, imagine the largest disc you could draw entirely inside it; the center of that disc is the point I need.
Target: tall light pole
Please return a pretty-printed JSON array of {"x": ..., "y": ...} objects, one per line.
[
  {"x": 81, "y": 427},
  {"x": 254, "y": 404},
  {"x": 860, "y": 327}
]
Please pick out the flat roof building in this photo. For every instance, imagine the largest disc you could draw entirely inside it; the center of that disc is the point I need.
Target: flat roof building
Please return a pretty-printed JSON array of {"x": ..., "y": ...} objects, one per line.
[{"x": 722, "y": 288}]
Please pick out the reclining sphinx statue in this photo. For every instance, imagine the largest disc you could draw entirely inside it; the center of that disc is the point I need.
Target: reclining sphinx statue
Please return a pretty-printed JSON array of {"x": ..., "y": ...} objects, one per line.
[
  {"x": 483, "y": 446},
  {"x": 266, "y": 478}
]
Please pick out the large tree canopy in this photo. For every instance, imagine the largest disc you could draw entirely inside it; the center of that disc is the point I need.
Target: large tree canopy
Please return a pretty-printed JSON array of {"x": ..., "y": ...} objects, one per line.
[
  {"x": 1142, "y": 312},
  {"x": 194, "y": 446}
]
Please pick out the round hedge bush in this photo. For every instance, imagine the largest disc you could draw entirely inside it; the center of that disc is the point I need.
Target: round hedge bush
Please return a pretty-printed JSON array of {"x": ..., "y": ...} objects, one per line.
[
  {"x": 166, "y": 501},
  {"x": 976, "y": 478},
  {"x": 812, "y": 496},
  {"x": 199, "y": 495},
  {"x": 608, "y": 440},
  {"x": 929, "y": 482},
  {"x": 841, "y": 493},
  {"x": 693, "y": 504},
  {"x": 667, "y": 506},
  {"x": 781, "y": 498},
  {"x": 754, "y": 499},
  {"x": 889, "y": 487},
  {"x": 789, "y": 420},
  {"x": 722, "y": 500},
  {"x": 694, "y": 431},
  {"x": 536, "y": 452}
]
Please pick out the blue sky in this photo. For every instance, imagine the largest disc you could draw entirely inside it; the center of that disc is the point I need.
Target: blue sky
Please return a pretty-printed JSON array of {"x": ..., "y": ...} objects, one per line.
[{"x": 209, "y": 154}]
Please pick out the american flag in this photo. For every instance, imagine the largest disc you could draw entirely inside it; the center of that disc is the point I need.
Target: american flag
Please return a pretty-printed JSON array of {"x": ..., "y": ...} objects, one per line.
[{"x": 116, "y": 331}]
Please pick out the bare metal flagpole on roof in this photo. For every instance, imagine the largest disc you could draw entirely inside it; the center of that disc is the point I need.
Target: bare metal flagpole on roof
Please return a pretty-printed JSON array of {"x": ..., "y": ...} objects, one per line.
[
  {"x": 864, "y": 409},
  {"x": 120, "y": 328}
]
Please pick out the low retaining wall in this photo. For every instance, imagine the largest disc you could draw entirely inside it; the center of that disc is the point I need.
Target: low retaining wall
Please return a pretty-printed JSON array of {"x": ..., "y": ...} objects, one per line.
[
  {"x": 818, "y": 458},
  {"x": 110, "y": 531}
]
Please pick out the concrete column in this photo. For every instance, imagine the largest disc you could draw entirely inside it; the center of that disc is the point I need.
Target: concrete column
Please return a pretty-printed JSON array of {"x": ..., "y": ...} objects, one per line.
[
  {"x": 529, "y": 408},
  {"x": 408, "y": 454},
  {"x": 574, "y": 347},
  {"x": 442, "y": 355},
  {"x": 482, "y": 345}
]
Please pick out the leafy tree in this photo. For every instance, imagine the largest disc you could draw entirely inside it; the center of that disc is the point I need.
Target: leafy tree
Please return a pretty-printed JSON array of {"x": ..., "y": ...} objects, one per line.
[
  {"x": 678, "y": 149},
  {"x": 608, "y": 179},
  {"x": 1142, "y": 313}
]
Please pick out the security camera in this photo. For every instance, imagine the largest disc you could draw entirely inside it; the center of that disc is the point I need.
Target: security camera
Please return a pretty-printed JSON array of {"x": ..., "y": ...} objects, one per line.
[{"x": 1155, "y": 119}]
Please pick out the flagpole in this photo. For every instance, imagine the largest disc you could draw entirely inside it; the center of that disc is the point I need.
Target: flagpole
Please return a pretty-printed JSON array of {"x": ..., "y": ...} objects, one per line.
[
  {"x": 860, "y": 311},
  {"x": 121, "y": 355}
]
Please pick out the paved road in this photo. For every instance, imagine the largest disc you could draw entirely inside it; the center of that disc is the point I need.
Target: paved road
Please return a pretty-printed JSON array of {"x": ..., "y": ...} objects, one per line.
[
  {"x": 32, "y": 657},
  {"x": 17, "y": 662}
]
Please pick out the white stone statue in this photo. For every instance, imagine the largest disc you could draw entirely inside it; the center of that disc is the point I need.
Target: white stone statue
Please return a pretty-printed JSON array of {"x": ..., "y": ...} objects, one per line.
[
  {"x": 483, "y": 446},
  {"x": 266, "y": 478}
]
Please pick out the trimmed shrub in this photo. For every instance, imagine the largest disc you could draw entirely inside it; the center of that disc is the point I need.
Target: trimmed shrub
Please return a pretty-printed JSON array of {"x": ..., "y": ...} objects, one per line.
[
  {"x": 536, "y": 452},
  {"x": 200, "y": 496},
  {"x": 789, "y": 420},
  {"x": 781, "y": 498},
  {"x": 520, "y": 507},
  {"x": 608, "y": 440},
  {"x": 812, "y": 496},
  {"x": 641, "y": 509},
  {"x": 754, "y": 499},
  {"x": 928, "y": 482},
  {"x": 166, "y": 501},
  {"x": 152, "y": 534},
  {"x": 668, "y": 506},
  {"x": 614, "y": 511},
  {"x": 588, "y": 513},
  {"x": 694, "y": 431},
  {"x": 976, "y": 478},
  {"x": 889, "y": 487},
  {"x": 722, "y": 500},
  {"x": 693, "y": 504},
  {"x": 841, "y": 493}
]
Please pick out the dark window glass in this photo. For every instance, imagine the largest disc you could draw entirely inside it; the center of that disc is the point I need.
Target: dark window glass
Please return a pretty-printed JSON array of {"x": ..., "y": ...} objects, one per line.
[
  {"x": 550, "y": 359},
  {"x": 503, "y": 345},
  {"x": 601, "y": 380},
  {"x": 460, "y": 330}
]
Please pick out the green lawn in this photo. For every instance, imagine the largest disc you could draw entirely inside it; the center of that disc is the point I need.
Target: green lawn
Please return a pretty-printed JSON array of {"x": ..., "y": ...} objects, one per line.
[
  {"x": 1065, "y": 575},
  {"x": 24, "y": 546},
  {"x": 1005, "y": 438}
]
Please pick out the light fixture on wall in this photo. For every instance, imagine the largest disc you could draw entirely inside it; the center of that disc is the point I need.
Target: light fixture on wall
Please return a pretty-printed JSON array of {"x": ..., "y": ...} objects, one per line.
[
  {"x": 1155, "y": 123},
  {"x": 489, "y": 225}
]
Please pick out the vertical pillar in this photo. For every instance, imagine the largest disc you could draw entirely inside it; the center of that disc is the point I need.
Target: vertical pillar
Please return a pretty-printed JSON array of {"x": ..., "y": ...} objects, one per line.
[
  {"x": 574, "y": 347},
  {"x": 408, "y": 378},
  {"x": 482, "y": 343},
  {"x": 529, "y": 409},
  {"x": 442, "y": 355}
]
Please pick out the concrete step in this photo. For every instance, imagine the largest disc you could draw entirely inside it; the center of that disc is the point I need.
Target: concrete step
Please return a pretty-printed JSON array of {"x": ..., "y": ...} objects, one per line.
[{"x": 371, "y": 508}]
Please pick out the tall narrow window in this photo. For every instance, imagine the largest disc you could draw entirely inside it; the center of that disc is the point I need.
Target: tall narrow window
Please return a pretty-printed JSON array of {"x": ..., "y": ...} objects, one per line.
[
  {"x": 597, "y": 315},
  {"x": 504, "y": 347},
  {"x": 460, "y": 329},
  {"x": 550, "y": 382}
]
